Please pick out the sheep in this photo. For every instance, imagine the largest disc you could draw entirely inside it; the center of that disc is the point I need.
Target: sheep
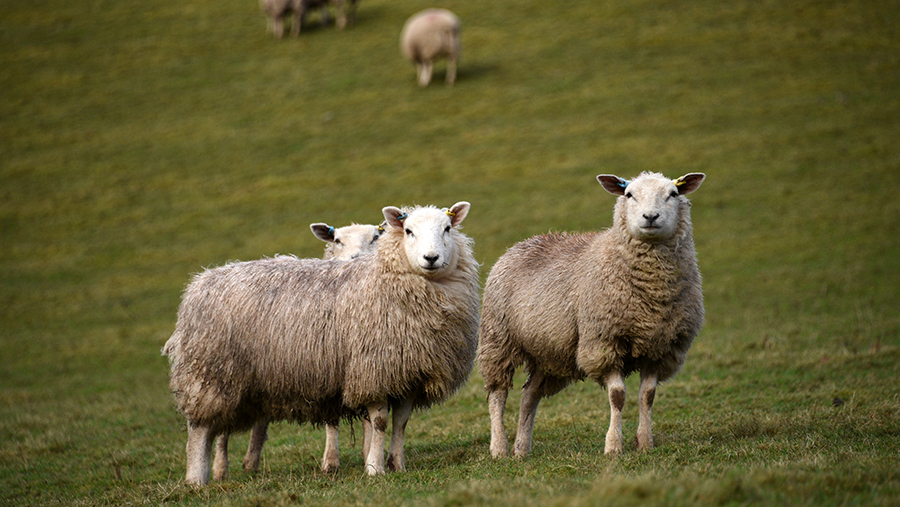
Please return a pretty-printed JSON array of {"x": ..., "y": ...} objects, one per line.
[
  {"x": 344, "y": 243},
  {"x": 428, "y": 35},
  {"x": 312, "y": 340},
  {"x": 277, "y": 10},
  {"x": 348, "y": 242},
  {"x": 600, "y": 305}
]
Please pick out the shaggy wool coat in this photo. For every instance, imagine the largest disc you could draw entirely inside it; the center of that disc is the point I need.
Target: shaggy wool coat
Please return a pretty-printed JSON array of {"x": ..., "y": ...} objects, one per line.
[
  {"x": 312, "y": 340},
  {"x": 585, "y": 305}
]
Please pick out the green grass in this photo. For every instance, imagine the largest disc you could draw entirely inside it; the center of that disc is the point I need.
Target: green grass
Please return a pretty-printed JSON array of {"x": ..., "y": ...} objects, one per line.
[{"x": 143, "y": 141}]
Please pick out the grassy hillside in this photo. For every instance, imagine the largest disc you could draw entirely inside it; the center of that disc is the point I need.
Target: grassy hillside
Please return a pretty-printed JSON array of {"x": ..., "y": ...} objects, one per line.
[{"x": 143, "y": 141}]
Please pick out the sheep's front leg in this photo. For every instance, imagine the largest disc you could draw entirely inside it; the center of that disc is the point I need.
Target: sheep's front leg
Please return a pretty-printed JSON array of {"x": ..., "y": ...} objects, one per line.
[
  {"x": 258, "y": 436},
  {"x": 646, "y": 395},
  {"x": 496, "y": 406},
  {"x": 331, "y": 461},
  {"x": 220, "y": 463},
  {"x": 278, "y": 26},
  {"x": 396, "y": 461},
  {"x": 199, "y": 444},
  {"x": 424, "y": 69},
  {"x": 378, "y": 414},
  {"x": 531, "y": 396},
  {"x": 616, "y": 388}
]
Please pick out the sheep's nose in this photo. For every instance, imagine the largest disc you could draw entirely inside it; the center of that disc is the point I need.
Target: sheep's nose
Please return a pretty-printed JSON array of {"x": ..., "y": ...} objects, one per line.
[
  {"x": 431, "y": 259},
  {"x": 651, "y": 218}
]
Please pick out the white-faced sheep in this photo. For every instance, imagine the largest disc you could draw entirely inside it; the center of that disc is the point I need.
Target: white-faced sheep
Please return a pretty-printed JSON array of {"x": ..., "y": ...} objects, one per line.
[
  {"x": 344, "y": 243},
  {"x": 599, "y": 305},
  {"x": 311, "y": 340},
  {"x": 277, "y": 10},
  {"x": 427, "y": 36},
  {"x": 348, "y": 242}
]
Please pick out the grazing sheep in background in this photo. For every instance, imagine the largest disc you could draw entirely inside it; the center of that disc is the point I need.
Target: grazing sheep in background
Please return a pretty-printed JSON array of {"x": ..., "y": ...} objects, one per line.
[
  {"x": 277, "y": 10},
  {"x": 348, "y": 242},
  {"x": 428, "y": 35},
  {"x": 312, "y": 340},
  {"x": 599, "y": 305},
  {"x": 344, "y": 244}
]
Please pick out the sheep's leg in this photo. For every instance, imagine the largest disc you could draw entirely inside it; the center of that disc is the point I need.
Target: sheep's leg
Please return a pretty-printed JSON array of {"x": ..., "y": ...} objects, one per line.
[
  {"x": 378, "y": 414},
  {"x": 531, "y": 396},
  {"x": 616, "y": 388},
  {"x": 646, "y": 396},
  {"x": 451, "y": 71},
  {"x": 424, "y": 69},
  {"x": 298, "y": 22},
  {"x": 496, "y": 406},
  {"x": 278, "y": 26},
  {"x": 331, "y": 461},
  {"x": 396, "y": 461},
  {"x": 258, "y": 437},
  {"x": 367, "y": 437},
  {"x": 220, "y": 463},
  {"x": 199, "y": 444}
]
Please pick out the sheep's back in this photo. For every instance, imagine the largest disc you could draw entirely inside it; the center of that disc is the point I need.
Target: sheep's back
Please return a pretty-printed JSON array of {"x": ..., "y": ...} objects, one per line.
[
  {"x": 257, "y": 334},
  {"x": 530, "y": 302}
]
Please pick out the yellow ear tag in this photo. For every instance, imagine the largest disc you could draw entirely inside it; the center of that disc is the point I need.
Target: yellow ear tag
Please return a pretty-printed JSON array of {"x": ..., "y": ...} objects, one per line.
[
  {"x": 450, "y": 213},
  {"x": 679, "y": 182}
]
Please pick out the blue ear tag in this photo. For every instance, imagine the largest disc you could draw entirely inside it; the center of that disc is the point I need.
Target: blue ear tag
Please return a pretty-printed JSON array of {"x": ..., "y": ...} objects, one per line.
[
  {"x": 623, "y": 183},
  {"x": 402, "y": 216},
  {"x": 331, "y": 230}
]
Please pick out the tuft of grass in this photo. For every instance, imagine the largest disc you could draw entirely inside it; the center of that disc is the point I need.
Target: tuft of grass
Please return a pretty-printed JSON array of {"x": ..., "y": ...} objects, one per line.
[{"x": 144, "y": 141}]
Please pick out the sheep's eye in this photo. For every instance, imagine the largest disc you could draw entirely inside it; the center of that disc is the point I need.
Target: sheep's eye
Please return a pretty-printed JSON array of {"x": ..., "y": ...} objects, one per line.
[
  {"x": 628, "y": 195},
  {"x": 337, "y": 241},
  {"x": 375, "y": 238},
  {"x": 408, "y": 232},
  {"x": 674, "y": 193},
  {"x": 447, "y": 229}
]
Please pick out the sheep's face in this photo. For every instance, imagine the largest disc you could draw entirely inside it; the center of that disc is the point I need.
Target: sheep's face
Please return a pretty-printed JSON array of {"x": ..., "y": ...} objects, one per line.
[
  {"x": 651, "y": 205},
  {"x": 428, "y": 241},
  {"x": 348, "y": 242}
]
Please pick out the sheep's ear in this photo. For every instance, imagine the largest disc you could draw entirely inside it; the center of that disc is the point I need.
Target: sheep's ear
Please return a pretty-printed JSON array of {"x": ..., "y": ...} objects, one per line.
[
  {"x": 458, "y": 213},
  {"x": 323, "y": 231},
  {"x": 394, "y": 216},
  {"x": 613, "y": 184},
  {"x": 689, "y": 182}
]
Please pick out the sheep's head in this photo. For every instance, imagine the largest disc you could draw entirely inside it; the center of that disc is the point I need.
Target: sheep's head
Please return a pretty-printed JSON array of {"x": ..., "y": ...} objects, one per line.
[
  {"x": 429, "y": 236},
  {"x": 347, "y": 242},
  {"x": 651, "y": 205}
]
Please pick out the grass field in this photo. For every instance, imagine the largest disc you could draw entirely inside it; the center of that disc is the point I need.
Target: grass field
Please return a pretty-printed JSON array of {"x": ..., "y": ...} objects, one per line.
[{"x": 143, "y": 141}]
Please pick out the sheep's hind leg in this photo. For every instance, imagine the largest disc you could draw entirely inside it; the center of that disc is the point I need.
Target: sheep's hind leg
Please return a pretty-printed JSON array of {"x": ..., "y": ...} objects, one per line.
[
  {"x": 367, "y": 437},
  {"x": 378, "y": 413},
  {"x": 531, "y": 396},
  {"x": 258, "y": 436},
  {"x": 220, "y": 463},
  {"x": 199, "y": 444},
  {"x": 496, "y": 406},
  {"x": 646, "y": 396},
  {"x": 616, "y": 388},
  {"x": 451, "y": 71},
  {"x": 396, "y": 461},
  {"x": 331, "y": 461}
]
